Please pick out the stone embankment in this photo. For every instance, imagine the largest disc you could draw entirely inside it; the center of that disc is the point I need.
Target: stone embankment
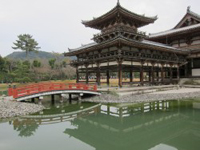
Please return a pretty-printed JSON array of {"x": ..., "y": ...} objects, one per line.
[
  {"x": 12, "y": 108},
  {"x": 108, "y": 98}
]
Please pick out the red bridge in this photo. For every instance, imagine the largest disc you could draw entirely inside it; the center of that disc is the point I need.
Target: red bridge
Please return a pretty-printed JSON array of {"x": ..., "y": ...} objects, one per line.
[{"x": 43, "y": 89}]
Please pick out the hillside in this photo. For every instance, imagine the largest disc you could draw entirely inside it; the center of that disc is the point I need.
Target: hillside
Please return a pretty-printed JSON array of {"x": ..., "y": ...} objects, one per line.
[{"x": 32, "y": 55}]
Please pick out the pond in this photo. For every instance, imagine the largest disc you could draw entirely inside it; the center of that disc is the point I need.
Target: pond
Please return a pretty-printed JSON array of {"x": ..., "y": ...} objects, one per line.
[{"x": 162, "y": 125}]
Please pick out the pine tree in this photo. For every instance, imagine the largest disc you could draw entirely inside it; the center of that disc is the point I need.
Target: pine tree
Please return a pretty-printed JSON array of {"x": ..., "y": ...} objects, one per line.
[{"x": 26, "y": 43}]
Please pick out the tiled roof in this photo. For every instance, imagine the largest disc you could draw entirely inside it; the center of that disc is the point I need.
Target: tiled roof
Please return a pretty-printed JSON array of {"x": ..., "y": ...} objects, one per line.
[
  {"x": 158, "y": 44},
  {"x": 117, "y": 9},
  {"x": 145, "y": 42},
  {"x": 173, "y": 31},
  {"x": 83, "y": 46}
]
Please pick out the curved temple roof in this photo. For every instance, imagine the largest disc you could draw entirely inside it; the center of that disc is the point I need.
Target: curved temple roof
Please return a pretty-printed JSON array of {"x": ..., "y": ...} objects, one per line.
[
  {"x": 190, "y": 14},
  {"x": 143, "y": 43},
  {"x": 174, "y": 31},
  {"x": 141, "y": 20}
]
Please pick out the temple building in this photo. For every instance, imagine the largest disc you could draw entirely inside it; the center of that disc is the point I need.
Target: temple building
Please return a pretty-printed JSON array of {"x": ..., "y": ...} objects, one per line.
[
  {"x": 122, "y": 49},
  {"x": 186, "y": 36}
]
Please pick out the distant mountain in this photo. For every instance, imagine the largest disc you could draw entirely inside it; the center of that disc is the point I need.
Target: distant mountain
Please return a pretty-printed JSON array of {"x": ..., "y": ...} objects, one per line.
[{"x": 33, "y": 55}]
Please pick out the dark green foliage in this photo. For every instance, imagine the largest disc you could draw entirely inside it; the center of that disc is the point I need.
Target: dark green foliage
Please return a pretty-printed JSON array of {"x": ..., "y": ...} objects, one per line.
[
  {"x": 27, "y": 63},
  {"x": 26, "y": 43},
  {"x": 36, "y": 64},
  {"x": 52, "y": 63},
  {"x": 2, "y": 64}
]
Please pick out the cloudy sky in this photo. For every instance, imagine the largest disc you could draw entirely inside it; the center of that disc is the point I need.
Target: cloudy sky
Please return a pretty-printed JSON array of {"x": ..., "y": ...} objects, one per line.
[{"x": 56, "y": 24}]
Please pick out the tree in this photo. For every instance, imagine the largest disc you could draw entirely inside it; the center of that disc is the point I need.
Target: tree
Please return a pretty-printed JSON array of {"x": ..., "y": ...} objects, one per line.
[
  {"x": 21, "y": 73},
  {"x": 27, "y": 63},
  {"x": 36, "y": 64},
  {"x": 52, "y": 63},
  {"x": 2, "y": 64},
  {"x": 26, "y": 43}
]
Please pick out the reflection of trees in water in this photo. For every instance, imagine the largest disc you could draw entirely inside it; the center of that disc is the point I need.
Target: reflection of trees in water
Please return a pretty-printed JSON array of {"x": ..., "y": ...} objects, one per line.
[{"x": 26, "y": 128}]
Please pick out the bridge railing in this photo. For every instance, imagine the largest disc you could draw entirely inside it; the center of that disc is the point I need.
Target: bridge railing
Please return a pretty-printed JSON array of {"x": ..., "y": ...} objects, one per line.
[{"x": 48, "y": 87}]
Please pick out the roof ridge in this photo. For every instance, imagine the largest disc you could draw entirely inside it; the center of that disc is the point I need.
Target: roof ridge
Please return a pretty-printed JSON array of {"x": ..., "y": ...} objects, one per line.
[
  {"x": 194, "y": 14},
  {"x": 174, "y": 30}
]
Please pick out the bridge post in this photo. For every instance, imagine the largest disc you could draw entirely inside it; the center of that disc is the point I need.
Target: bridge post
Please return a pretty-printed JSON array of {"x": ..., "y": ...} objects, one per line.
[
  {"x": 53, "y": 99},
  {"x": 70, "y": 98},
  {"x": 33, "y": 100}
]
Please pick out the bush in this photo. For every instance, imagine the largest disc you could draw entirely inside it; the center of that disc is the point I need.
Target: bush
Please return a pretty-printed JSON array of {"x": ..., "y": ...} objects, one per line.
[{"x": 23, "y": 80}]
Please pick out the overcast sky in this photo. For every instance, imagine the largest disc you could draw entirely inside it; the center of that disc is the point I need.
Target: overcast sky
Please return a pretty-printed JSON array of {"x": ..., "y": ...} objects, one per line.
[{"x": 56, "y": 24}]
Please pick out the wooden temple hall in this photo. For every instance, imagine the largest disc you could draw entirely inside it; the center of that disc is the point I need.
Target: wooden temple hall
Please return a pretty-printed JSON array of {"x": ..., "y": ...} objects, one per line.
[{"x": 120, "y": 50}]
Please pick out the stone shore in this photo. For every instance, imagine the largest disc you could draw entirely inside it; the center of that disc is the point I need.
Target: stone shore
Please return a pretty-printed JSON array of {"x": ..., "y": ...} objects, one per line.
[
  {"x": 108, "y": 98},
  {"x": 9, "y": 109}
]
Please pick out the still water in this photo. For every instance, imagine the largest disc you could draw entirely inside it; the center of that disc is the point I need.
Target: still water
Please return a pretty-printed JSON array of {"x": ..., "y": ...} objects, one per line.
[{"x": 168, "y": 125}]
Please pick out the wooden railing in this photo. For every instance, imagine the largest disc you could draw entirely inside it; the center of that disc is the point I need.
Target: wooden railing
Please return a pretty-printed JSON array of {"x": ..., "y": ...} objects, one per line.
[{"x": 47, "y": 87}]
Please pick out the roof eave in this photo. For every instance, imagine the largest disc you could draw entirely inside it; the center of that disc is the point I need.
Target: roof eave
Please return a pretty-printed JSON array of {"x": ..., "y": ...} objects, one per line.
[
  {"x": 146, "y": 20},
  {"x": 142, "y": 45}
]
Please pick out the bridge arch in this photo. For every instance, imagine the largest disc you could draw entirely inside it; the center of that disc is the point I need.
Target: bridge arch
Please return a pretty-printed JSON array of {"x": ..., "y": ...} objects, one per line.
[{"x": 40, "y": 89}]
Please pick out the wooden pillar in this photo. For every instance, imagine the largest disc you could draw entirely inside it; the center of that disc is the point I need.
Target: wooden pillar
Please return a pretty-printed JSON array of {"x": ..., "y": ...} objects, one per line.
[
  {"x": 120, "y": 73},
  {"x": 162, "y": 74},
  {"x": 142, "y": 74},
  {"x": 108, "y": 77},
  {"x": 171, "y": 73},
  {"x": 77, "y": 75},
  {"x": 98, "y": 74},
  {"x": 157, "y": 75},
  {"x": 186, "y": 70},
  {"x": 152, "y": 73},
  {"x": 131, "y": 75},
  {"x": 178, "y": 73},
  {"x": 86, "y": 76}
]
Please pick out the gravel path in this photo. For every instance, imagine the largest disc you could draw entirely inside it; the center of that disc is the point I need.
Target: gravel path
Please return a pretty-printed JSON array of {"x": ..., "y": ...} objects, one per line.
[
  {"x": 175, "y": 94},
  {"x": 12, "y": 109}
]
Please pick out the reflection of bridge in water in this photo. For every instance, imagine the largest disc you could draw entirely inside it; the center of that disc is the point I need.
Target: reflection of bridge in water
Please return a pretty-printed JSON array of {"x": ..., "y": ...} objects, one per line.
[{"x": 62, "y": 117}]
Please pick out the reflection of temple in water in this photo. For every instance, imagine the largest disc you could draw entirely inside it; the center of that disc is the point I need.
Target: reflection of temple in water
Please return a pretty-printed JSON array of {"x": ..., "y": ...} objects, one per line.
[{"x": 156, "y": 125}]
